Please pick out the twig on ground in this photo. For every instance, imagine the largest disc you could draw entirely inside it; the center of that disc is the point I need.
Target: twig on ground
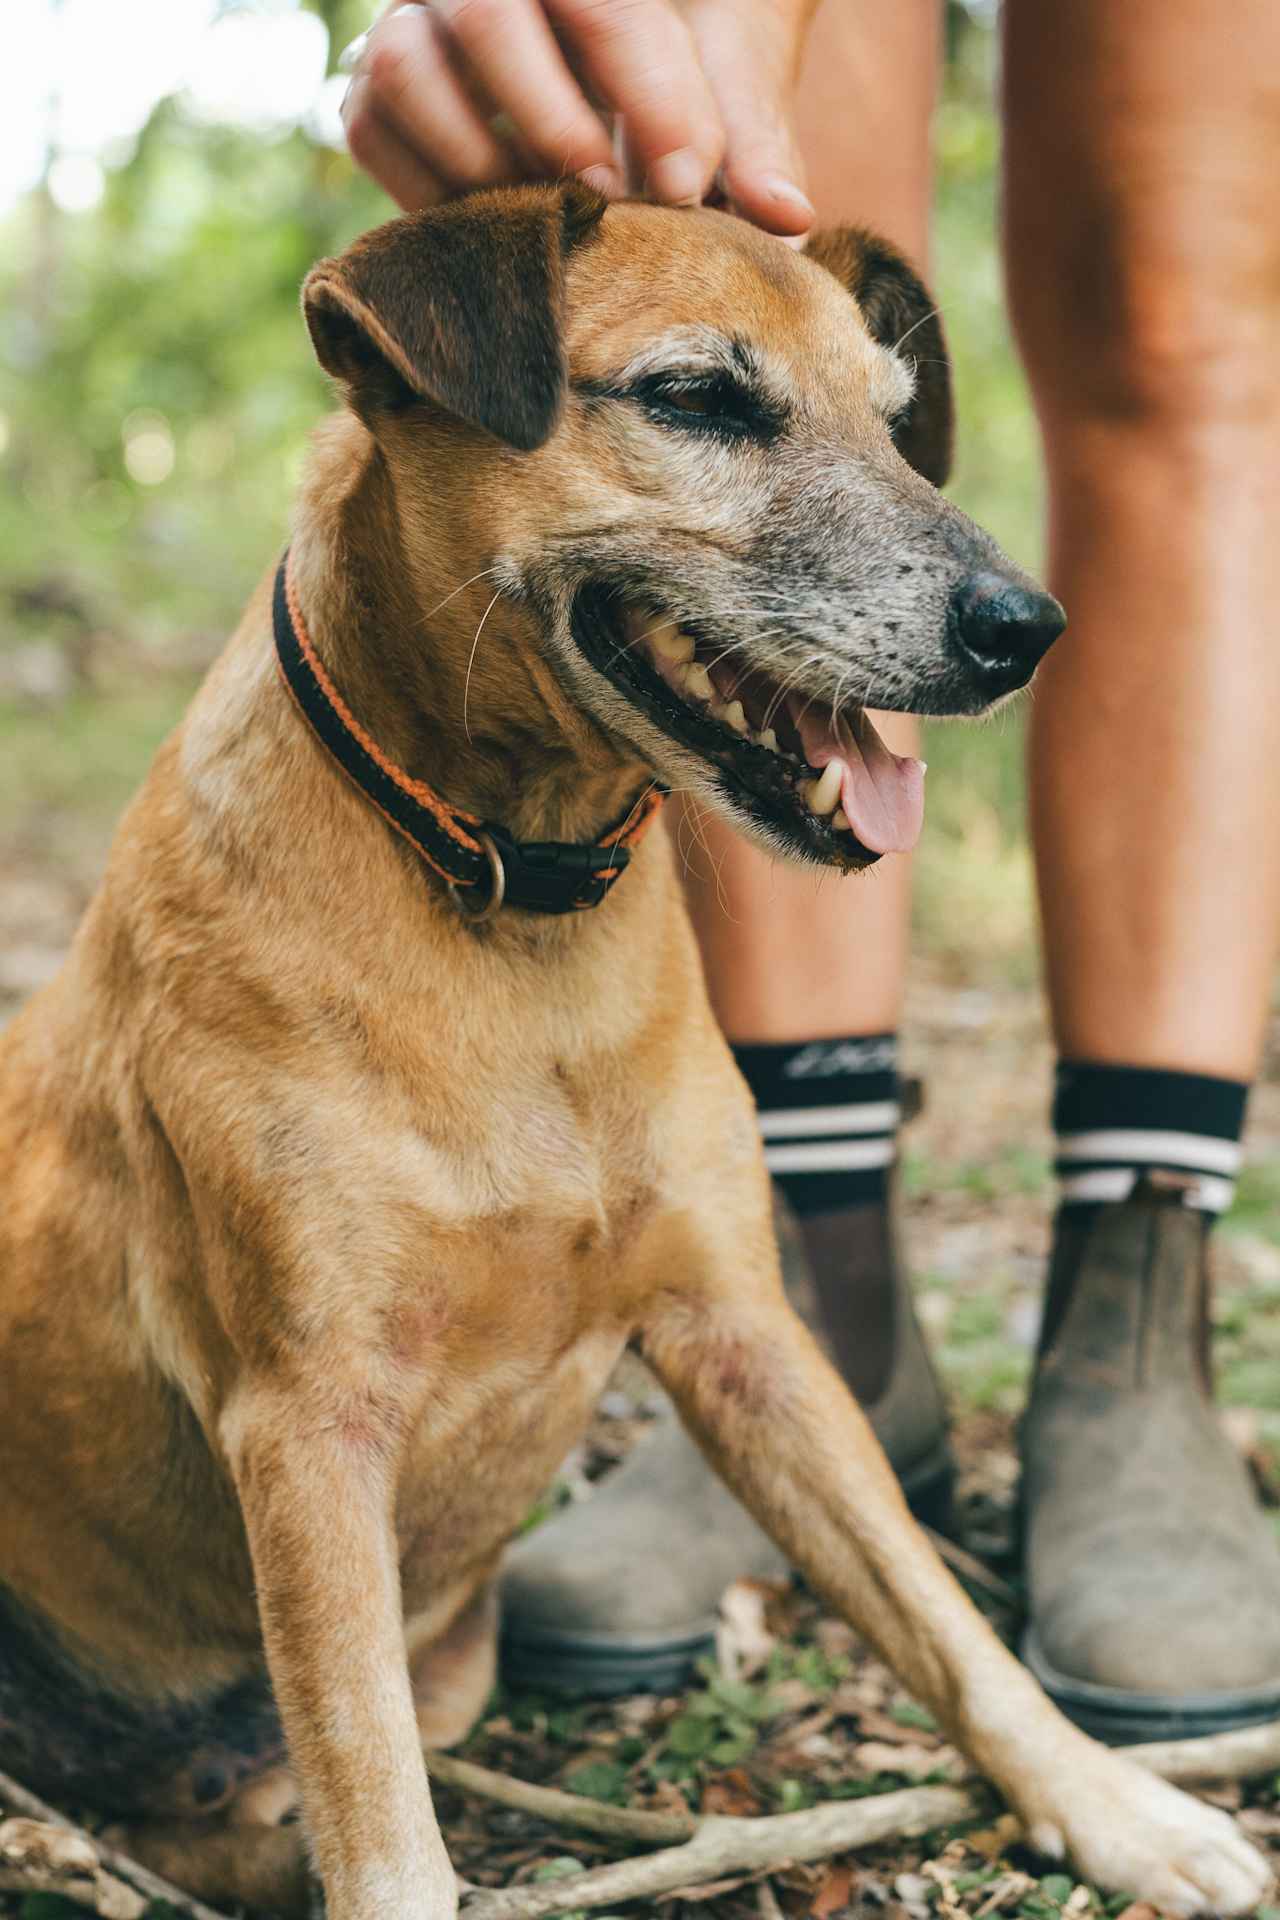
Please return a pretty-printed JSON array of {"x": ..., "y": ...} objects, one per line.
[
  {"x": 975, "y": 1571},
  {"x": 560, "y": 1808},
  {"x": 722, "y": 1846},
  {"x": 1241, "y": 1755},
  {"x": 767, "y": 1902},
  {"x": 20, "y": 1800},
  {"x": 97, "y": 1893},
  {"x": 37, "y": 1857}
]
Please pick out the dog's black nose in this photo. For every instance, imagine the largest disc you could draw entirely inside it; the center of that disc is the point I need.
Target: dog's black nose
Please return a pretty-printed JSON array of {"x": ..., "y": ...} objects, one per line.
[{"x": 1002, "y": 629}]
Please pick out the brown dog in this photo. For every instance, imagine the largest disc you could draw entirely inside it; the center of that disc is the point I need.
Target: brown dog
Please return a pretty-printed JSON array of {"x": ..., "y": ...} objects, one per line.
[{"x": 333, "y": 1189}]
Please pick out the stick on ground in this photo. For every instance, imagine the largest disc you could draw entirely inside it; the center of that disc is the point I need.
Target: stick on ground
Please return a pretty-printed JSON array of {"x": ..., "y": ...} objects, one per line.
[
  {"x": 719, "y": 1846},
  {"x": 728, "y": 1846},
  {"x": 37, "y": 1857},
  {"x": 19, "y": 1799},
  {"x": 560, "y": 1808}
]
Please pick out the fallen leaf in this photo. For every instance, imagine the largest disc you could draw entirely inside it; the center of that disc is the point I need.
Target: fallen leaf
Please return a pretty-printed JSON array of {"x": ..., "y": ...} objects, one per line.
[
  {"x": 743, "y": 1640},
  {"x": 833, "y": 1893},
  {"x": 730, "y": 1792},
  {"x": 913, "y": 1890},
  {"x": 994, "y": 1841}
]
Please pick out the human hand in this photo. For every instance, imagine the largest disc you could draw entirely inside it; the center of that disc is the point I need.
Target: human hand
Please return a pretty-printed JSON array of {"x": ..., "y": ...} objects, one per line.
[{"x": 470, "y": 93}]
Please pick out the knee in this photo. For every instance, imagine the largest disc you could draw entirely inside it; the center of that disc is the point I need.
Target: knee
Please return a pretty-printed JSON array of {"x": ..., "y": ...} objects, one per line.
[{"x": 1153, "y": 317}]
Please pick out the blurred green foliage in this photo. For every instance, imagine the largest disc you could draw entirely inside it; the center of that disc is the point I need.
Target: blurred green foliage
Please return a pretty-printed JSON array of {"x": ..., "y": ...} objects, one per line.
[{"x": 156, "y": 389}]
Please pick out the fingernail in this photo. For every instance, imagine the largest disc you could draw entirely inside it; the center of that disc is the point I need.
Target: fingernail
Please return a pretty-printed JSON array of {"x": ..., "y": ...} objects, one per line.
[
  {"x": 605, "y": 180},
  {"x": 778, "y": 187},
  {"x": 678, "y": 178}
]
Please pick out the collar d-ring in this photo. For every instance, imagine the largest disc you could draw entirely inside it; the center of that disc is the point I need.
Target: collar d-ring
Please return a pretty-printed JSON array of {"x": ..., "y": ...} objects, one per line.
[{"x": 497, "y": 884}]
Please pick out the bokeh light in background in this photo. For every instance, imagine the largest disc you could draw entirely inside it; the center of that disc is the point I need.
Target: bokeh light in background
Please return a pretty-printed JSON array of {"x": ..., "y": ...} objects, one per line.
[{"x": 91, "y": 74}]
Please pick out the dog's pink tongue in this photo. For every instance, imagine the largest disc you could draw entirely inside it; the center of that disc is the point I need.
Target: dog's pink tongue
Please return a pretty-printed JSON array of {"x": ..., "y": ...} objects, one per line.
[{"x": 882, "y": 793}]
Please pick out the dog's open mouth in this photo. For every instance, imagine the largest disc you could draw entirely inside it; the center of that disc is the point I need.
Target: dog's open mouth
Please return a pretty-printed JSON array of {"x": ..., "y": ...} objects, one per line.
[{"x": 823, "y": 779}]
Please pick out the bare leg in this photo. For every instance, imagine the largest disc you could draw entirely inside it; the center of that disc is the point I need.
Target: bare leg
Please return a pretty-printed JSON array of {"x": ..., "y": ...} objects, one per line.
[
  {"x": 791, "y": 955},
  {"x": 1143, "y": 147},
  {"x": 1144, "y": 270}
]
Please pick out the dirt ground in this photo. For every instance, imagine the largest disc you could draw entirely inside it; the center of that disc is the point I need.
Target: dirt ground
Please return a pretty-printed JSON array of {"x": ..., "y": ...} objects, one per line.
[{"x": 798, "y": 1712}]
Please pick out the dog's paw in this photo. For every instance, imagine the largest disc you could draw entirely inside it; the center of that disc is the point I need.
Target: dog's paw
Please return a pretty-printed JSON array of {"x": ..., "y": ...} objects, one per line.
[{"x": 1133, "y": 1833}]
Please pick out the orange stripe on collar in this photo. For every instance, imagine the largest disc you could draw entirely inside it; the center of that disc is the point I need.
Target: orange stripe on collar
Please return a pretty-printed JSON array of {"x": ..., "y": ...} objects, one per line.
[{"x": 484, "y": 867}]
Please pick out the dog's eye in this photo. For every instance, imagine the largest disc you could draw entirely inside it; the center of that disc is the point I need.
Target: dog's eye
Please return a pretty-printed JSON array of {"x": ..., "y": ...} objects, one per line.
[
  {"x": 713, "y": 401},
  {"x": 689, "y": 400}
]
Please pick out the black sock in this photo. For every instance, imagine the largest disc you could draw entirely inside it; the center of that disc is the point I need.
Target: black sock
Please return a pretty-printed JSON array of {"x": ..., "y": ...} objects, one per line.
[
  {"x": 829, "y": 1113},
  {"x": 1114, "y": 1124}
]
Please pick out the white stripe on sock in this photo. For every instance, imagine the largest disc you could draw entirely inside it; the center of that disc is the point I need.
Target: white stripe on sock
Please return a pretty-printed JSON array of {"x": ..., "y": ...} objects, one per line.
[
  {"x": 1102, "y": 1184},
  {"x": 1210, "y": 1194},
  {"x": 860, "y": 1116},
  {"x": 829, "y": 1156},
  {"x": 1149, "y": 1147}
]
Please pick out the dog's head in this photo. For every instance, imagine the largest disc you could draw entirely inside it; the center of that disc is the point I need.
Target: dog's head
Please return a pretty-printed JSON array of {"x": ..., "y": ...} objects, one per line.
[{"x": 706, "y": 465}]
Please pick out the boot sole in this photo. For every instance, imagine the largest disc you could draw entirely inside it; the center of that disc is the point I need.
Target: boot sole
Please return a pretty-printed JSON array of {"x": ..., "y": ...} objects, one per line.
[
  {"x": 1122, "y": 1718},
  {"x": 599, "y": 1665}
]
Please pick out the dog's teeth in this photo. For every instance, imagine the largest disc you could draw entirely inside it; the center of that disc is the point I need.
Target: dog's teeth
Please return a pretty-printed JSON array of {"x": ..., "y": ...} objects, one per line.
[
  {"x": 766, "y": 738},
  {"x": 840, "y": 821},
  {"x": 821, "y": 795},
  {"x": 733, "y": 715},
  {"x": 695, "y": 681},
  {"x": 669, "y": 643}
]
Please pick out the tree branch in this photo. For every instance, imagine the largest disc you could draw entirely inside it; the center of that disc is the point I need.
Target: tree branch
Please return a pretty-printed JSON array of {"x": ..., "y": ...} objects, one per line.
[
  {"x": 1241, "y": 1755},
  {"x": 728, "y": 1846},
  {"x": 37, "y": 1857},
  {"x": 719, "y": 1847},
  {"x": 21, "y": 1800},
  {"x": 560, "y": 1808}
]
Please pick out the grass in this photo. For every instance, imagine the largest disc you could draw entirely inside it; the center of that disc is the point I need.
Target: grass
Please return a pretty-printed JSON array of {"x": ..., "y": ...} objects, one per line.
[{"x": 83, "y": 760}]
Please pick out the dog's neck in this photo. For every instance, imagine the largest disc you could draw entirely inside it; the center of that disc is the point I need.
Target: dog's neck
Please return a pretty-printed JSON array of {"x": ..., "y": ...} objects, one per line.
[{"x": 447, "y": 679}]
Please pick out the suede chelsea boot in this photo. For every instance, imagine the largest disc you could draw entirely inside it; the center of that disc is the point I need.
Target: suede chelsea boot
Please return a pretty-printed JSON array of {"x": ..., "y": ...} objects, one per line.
[{"x": 1153, "y": 1574}]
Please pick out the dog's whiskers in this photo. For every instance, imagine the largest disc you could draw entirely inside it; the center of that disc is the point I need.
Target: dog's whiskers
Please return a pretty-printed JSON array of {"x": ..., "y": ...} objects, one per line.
[
  {"x": 485, "y": 572},
  {"x": 933, "y": 314},
  {"x": 471, "y": 661}
]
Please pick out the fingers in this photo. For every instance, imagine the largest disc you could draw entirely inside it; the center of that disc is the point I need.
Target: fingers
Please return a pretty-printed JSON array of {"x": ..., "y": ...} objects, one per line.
[
  {"x": 422, "y": 113},
  {"x": 640, "y": 57},
  {"x": 378, "y": 148},
  {"x": 753, "y": 76},
  {"x": 509, "y": 48},
  {"x": 761, "y": 175},
  {"x": 408, "y": 87}
]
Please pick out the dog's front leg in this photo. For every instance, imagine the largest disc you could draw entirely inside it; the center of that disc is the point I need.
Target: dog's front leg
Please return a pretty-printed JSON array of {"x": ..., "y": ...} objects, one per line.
[
  {"x": 783, "y": 1430},
  {"x": 317, "y": 1491}
]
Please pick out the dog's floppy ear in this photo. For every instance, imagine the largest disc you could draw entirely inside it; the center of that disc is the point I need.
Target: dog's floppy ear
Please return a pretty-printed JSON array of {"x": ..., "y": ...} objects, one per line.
[
  {"x": 461, "y": 305},
  {"x": 899, "y": 313}
]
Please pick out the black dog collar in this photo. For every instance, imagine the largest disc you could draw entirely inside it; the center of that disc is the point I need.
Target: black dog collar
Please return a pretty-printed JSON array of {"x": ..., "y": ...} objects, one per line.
[{"x": 484, "y": 868}]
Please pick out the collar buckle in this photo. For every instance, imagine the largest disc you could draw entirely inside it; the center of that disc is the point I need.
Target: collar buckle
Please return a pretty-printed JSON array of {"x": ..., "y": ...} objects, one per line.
[
  {"x": 461, "y": 895},
  {"x": 554, "y": 876}
]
